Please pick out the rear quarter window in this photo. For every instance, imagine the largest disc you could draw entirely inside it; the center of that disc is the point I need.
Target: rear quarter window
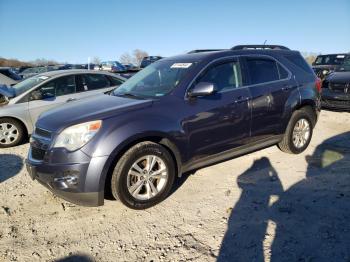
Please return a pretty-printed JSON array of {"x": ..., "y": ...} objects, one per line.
[{"x": 300, "y": 62}]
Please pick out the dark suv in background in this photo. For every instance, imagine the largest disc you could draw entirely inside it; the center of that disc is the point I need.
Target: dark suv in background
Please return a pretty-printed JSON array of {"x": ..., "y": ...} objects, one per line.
[
  {"x": 326, "y": 64},
  {"x": 178, "y": 114},
  {"x": 146, "y": 61},
  {"x": 336, "y": 89}
]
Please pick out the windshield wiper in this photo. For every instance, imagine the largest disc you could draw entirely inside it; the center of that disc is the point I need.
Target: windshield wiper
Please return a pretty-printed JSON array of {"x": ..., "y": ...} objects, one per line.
[{"x": 128, "y": 95}]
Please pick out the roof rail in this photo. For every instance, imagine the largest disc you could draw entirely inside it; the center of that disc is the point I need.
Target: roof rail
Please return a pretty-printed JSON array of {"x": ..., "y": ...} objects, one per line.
[
  {"x": 203, "y": 50},
  {"x": 272, "y": 47}
]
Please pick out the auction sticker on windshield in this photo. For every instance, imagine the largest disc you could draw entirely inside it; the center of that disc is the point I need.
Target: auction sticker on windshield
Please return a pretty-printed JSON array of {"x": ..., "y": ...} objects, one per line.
[{"x": 181, "y": 65}]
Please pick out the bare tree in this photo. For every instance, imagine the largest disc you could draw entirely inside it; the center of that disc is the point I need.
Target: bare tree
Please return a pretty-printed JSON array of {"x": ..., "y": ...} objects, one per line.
[
  {"x": 310, "y": 57},
  {"x": 126, "y": 58},
  {"x": 96, "y": 60},
  {"x": 44, "y": 62},
  {"x": 139, "y": 55},
  {"x": 135, "y": 58}
]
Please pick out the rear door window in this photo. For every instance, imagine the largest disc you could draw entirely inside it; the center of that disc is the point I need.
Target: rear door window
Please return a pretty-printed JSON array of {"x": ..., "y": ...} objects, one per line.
[
  {"x": 283, "y": 73},
  {"x": 115, "y": 81},
  {"x": 262, "y": 70},
  {"x": 95, "y": 81}
]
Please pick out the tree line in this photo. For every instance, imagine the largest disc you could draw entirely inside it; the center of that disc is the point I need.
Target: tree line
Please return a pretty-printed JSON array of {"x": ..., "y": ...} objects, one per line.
[{"x": 135, "y": 57}]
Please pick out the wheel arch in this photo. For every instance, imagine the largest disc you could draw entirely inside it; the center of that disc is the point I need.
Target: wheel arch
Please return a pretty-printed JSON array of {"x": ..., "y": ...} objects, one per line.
[
  {"x": 310, "y": 105},
  {"x": 19, "y": 120},
  {"x": 161, "y": 139}
]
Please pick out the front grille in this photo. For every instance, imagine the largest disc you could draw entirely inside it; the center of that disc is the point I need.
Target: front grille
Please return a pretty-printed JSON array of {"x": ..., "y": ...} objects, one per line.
[
  {"x": 340, "y": 87},
  {"x": 37, "y": 153},
  {"x": 42, "y": 132}
]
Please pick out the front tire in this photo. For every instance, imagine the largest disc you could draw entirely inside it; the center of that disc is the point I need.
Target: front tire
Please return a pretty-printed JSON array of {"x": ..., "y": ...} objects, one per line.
[
  {"x": 298, "y": 133},
  {"x": 11, "y": 132},
  {"x": 143, "y": 176}
]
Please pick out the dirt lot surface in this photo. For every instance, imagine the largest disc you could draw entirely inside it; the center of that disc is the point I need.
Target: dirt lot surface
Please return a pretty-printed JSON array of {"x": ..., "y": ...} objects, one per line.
[{"x": 263, "y": 206}]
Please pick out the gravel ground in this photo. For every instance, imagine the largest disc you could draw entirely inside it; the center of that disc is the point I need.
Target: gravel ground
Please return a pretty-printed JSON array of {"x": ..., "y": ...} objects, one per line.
[{"x": 263, "y": 206}]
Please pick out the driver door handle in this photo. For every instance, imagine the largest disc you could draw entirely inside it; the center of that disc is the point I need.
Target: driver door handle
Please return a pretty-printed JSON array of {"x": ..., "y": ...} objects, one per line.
[
  {"x": 241, "y": 99},
  {"x": 71, "y": 99},
  {"x": 286, "y": 87}
]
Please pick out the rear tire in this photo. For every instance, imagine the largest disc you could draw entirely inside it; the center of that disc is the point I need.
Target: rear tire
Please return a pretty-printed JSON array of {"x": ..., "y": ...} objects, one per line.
[
  {"x": 298, "y": 133},
  {"x": 11, "y": 132},
  {"x": 143, "y": 176}
]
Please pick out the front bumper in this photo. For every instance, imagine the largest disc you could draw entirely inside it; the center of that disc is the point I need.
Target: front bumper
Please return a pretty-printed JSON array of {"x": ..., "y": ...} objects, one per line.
[{"x": 79, "y": 182}]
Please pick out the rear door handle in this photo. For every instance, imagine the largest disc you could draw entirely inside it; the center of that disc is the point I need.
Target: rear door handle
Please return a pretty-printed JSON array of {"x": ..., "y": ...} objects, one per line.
[
  {"x": 241, "y": 99},
  {"x": 71, "y": 99}
]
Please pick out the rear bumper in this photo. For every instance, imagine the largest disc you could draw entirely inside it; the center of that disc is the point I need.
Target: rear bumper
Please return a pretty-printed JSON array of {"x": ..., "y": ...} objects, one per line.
[
  {"x": 336, "y": 104},
  {"x": 335, "y": 100}
]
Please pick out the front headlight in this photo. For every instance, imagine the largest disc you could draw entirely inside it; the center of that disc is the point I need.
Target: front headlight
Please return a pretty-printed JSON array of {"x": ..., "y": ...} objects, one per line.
[{"x": 76, "y": 136}]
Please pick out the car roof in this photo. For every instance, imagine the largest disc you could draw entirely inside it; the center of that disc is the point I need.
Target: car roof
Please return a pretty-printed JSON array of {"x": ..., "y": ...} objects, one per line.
[
  {"x": 76, "y": 71},
  {"x": 335, "y": 54},
  {"x": 210, "y": 55}
]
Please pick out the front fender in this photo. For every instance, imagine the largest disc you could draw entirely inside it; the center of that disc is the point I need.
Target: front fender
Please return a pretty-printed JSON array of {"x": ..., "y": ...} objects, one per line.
[{"x": 115, "y": 139}]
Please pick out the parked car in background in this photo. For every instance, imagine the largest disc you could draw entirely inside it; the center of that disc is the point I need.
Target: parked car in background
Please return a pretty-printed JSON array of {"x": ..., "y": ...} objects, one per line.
[
  {"x": 32, "y": 71},
  {"x": 149, "y": 60},
  {"x": 89, "y": 66},
  {"x": 22, "y": 68},
  {"x": 8, "y": 76},
  {"x": 336, "y": 89},
  {"x": 22, "y": 103},
  {"x": 326, "y": 64},
  {"x": 112, "y": 66},
  {"x": 176, "y": 115},
  {"x": 130, "y": 67},
  {"x": 71, "y": 66}
]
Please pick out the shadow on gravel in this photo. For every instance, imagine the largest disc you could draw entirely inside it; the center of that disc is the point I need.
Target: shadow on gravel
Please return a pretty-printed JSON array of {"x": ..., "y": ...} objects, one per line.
[
  {"x": 308, "y": 222},
  {"x": 76, "y": 258},
  {"x": 10, "y": 165}
]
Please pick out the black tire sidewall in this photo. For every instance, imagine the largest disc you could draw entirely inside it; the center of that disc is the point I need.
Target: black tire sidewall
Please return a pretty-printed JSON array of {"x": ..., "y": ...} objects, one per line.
[
  {"x": 20, "y": 132},
  {"x": 121, "y": 182},
  {"x": 299, "y": 115}
]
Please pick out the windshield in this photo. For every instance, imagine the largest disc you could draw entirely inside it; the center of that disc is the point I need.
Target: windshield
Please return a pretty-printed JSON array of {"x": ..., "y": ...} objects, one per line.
[
  {"x": 156, "y": 80},
  {"x": 329, "y": 59},
  {"x": 28, "y": 83}
]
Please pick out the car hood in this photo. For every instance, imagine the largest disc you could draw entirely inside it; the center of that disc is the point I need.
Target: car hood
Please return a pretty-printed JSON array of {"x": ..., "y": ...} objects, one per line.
[
  {"x": 7, "y": 91},
  {"x": 95, "y": 108},
  {"x": 339, "y": 77}
]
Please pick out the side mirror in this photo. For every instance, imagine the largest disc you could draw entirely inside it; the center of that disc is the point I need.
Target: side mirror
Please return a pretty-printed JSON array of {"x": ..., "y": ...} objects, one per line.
[{"x": 202, "y": 89}]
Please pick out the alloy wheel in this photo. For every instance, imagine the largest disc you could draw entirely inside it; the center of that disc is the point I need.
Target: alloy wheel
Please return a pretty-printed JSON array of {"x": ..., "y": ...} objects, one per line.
[
  {"x": 147, "y": 177},
  {"x": 8, "y": 133},
  {"x": 301, "y": 133}
]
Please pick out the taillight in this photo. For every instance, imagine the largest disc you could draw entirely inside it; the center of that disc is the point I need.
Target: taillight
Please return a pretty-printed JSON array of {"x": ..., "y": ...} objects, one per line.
[{"x": 318, "y": 84}]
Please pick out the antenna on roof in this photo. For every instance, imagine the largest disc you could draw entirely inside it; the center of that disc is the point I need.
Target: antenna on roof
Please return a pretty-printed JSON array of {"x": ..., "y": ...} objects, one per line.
[{"x": 265, "y": 42}]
